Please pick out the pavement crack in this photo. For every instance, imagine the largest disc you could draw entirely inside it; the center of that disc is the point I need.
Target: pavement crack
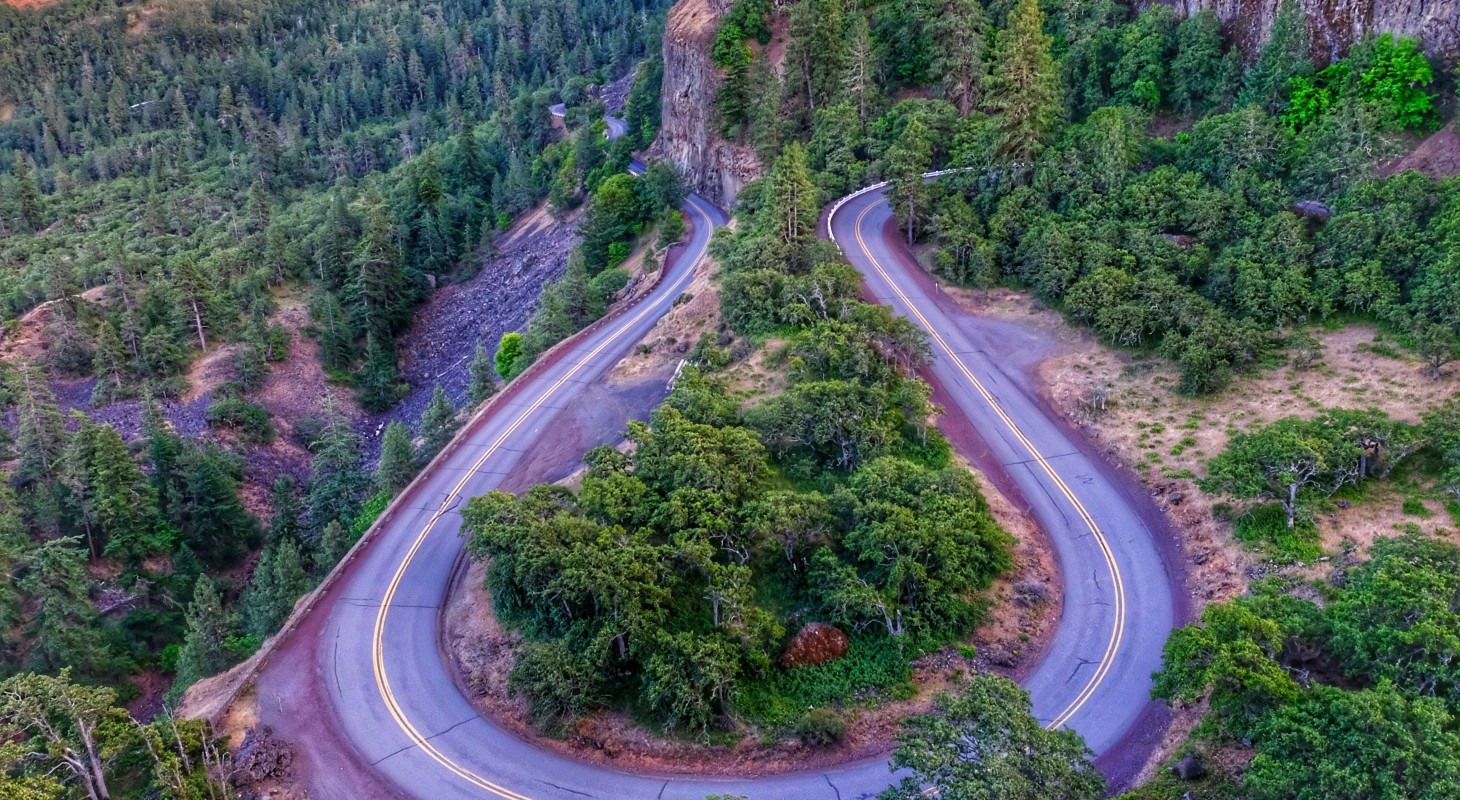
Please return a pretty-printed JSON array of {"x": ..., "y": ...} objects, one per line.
[
  {"x": 376, "y": 604},
  {"x": 1095, "y": 576},
  {"x": 1080, "y": 662},
  {"x": 452, "y": 728},
  {"x": 573, "y": 791},
  {"x": 832, "y": 785},
  {"x": 377, "y": 761},
  {"x": 661, "y": 790},
  {"x": 339, "y": 684}
]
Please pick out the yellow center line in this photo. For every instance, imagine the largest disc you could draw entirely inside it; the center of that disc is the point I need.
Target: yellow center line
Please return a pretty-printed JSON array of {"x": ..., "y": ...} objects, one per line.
[
  {"x": 1118, "y": 629},
  {"x": 382, "y": 682}
]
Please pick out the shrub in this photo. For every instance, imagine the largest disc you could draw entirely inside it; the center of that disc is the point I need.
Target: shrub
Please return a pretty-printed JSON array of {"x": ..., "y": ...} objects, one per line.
[
  {"x": 1266, "y": 526},
  {"x": 307, "y": 431},
  {"x": 369, "y": 512},
  {"x": 251, "y": 422},
  {"x": 1416, "y": 507},
  {"x": 671, "y": 228},
  {"x": 821, "y": 726},
  {"x": 508, "y": 352}
]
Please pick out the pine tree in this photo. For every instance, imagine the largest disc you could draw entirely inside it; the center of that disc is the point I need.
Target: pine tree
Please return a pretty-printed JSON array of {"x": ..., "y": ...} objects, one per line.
[
  {"x": 438, "y": 424},
  {"x": 165, "y": 454},
  {"x": 64, "y": 629},
  {"x": 27, "y": 192},
  {"x": 472, "y": 174},
  {"x": 859, "y": 80},
  {"x": 483, "y": 376},
  {"x": 205, "y": 645},
  {"x": 336, "y": 240},
  {"x": 196, "y": 291},
  {"x": 397, "y": 459},
  {"x": 379, "y": 386},
  {"x": 109, "y": 363},
  {"x": 249, "y": 362},
  {"x": 813, "y": 69},
  {"x": 338, "y": 482},
  {"x": 334, "y": 542},
  {"x": 118, "y": 110},
  {"x": 908, "y": 158},
  {"x": 258, "y": 213},
  {"x": 336, "y": 339},
  {"x": 378, "y": 295},
  {"x": 42, "y": 434},
  {"x": 109, "y": 495},
  {"x": 278, "y": 581},
  {"x": 212, "y": 518},
  {"x": 956, "y": 29},
  {"x": 284, "y": 499},
  {"x": 794, "y": 208},
  {"x": 14, "y": 543},
  {"x": 1024, "y": 87}
]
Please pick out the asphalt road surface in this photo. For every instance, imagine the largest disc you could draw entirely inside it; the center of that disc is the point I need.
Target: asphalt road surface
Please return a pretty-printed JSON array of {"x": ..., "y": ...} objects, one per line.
[
  {"x": 391, "y": 695},
  {"x": 1119, "y": 605}
]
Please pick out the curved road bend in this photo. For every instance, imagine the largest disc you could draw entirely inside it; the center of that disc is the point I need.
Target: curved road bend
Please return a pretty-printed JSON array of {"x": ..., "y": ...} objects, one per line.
[
  {"x": 397, "y": 707},
  {"x": 1119, "y": 604}
]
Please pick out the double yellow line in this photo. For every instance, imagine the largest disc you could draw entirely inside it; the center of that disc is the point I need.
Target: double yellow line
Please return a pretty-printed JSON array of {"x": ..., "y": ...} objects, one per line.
[
  {"x": 377, "y": 648},
  {"x": 1117, "y": 631}
]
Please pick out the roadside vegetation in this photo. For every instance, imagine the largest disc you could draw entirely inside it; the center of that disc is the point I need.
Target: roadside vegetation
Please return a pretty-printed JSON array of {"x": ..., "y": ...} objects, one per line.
[
  {"x": 1339, "y": 688},
  {"x": 671, "y": 582}
]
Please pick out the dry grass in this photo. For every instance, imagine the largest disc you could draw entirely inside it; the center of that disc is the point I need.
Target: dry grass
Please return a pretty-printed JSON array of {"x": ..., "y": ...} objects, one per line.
[
  {"x": 1167, "y": 438},
  {"x": 678, "y": 331}
]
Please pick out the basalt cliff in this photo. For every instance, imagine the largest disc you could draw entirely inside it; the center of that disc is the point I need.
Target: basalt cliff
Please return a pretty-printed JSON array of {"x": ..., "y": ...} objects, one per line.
[
  {"x": 717, "y": 169},
  {"x": 1336, "y": 24}
]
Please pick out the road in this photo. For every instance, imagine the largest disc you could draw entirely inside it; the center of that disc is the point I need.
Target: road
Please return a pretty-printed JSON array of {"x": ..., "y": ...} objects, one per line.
[
  {"x": 1119, "y": 603},
  {"x": 373, "y": 652},
  {"x": 616, "y": 126}
]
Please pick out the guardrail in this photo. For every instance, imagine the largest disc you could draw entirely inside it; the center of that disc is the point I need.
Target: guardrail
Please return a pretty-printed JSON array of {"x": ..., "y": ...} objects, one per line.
[{"x": 837, "y": 206}]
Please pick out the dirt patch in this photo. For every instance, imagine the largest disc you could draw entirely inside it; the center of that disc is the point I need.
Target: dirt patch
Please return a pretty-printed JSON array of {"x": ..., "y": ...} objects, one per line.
[
  {"x": 214, "y": 369},
  {"x": 152, "y": 685},
  {"x": 25, "y": 341},
  {"x": 295, "y": 387},
  {"x": 676, "y": 333},
  {"x": 26, "y": 4},
  {"x": 1437, "y": 156},
  {"x": 7, "y": 110}
]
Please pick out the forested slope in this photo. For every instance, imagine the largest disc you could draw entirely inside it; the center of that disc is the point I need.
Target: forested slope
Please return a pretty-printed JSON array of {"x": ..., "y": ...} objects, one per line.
[{"x": 173, "y": 173}]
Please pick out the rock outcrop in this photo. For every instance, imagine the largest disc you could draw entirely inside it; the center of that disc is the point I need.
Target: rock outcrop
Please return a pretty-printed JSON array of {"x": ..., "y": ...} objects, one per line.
[
  {"x": 716, "y": 169},
  {"x": 1336, "y": 24}
]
